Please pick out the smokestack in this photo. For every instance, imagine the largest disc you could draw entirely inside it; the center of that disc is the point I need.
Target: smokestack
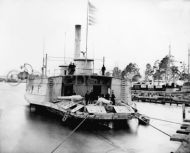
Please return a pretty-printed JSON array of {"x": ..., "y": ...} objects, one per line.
[{"x": 77, "y": 41}]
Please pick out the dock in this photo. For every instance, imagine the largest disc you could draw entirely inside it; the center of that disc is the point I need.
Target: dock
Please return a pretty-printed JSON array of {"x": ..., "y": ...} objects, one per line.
[
  {"x": 161, "y": 97},
  {"x": 183, "y": 136}
]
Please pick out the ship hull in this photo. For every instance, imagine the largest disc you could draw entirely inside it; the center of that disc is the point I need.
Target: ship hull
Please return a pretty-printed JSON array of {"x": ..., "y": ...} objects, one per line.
[{"x": 109, "y": 120}]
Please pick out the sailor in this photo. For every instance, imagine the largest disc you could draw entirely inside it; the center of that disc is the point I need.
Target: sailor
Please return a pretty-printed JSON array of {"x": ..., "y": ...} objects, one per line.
[
  {"x": 102, "y": 95},
  {"x": 113, "y": 98},
  {"x": 87, "y": 96},
  {"x": 103, "y": 69},
  {"x": 91, "y": 96},
  {"x": 107, "y": 96},
  {"x": 71, "y": 68}
]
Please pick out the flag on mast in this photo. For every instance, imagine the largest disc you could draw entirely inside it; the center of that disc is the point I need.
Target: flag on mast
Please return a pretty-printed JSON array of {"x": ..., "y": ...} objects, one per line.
[
  {"x": 91, "y": 9},
  {"x": 91, "y": 14}
]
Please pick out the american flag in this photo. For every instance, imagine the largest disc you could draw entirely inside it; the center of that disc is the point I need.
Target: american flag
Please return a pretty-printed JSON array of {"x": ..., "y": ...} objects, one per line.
[{"x": 91, "y": 14}]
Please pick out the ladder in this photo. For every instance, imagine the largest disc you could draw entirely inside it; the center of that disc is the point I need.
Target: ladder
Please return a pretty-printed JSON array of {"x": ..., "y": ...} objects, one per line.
[{"x": 123, "y": 90}]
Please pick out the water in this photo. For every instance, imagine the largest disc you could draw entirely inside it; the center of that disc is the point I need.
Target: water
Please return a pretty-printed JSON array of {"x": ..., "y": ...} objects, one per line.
[{"x": 22, "y": 131}]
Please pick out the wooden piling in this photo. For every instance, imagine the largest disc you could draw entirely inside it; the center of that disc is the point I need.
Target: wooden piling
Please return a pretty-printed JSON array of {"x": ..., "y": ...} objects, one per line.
[
  {"x": 184, "y": 126},
  {"x": 183, "y": 131},
  {"x": 183, "y": 136},
  {"x": 186, "y": 120}
]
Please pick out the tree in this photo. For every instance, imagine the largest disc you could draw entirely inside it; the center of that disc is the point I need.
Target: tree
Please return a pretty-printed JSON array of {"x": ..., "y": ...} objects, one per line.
[
  {"x": 165, "y": 67},
  {"x": 184, "y": 76},
  {"x": 107, "y": 73},
  {"x": 136, "y": 78},
  {"x": 157, "y": 75},
  {"x": 130, "y": 71},
  {"x": 164, "y": 63},
  {"x": 148, "y": 72},
  {"x": 175, "y": 73},
  {"x": 116, "y": 72}
]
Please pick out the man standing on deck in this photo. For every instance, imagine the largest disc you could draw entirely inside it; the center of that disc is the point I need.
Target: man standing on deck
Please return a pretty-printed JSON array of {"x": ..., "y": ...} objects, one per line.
[
  {"x": 87, "y": 96},
  {"x": 107, "y": 96},
  {"x": 113, "y": 98},
  {"x": 103, "y": 69}
]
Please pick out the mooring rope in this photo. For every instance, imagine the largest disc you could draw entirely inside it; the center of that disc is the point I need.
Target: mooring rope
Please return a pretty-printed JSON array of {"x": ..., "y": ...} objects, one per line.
[
  {"x": 69, "y": 135},
  {"x": 151, "y": 124},
  {"x": 160, "y": 130},
  {"x": 164, "y": 120},
  {"x": 155, "y": 127},
  {"x": 110, "y": 143}
]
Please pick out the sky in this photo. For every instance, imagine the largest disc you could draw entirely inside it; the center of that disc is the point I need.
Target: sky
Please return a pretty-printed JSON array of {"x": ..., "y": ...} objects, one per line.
[{"x": 138, "y": 31}]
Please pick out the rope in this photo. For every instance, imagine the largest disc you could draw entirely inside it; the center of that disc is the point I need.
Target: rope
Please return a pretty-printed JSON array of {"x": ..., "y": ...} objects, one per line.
[
  {"x": 160, "y": 130},
  {"x": 111, "y": 143},
  {"x": 155, "y": 128},
  {"x": 164, "y": 120},
  {"x": 67, "y": 137}
]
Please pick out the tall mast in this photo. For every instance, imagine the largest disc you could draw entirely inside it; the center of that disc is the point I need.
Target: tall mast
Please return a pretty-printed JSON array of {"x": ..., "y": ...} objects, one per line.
[
  {"x": 43, "y": 64},
  {"x": 188, "y": 59},
  {"x": 87, "y": 28},
  {"x": 169, "y": 64},
  {"x": 65, "y": 48},
  {"x": 169, "y": 55},
  {"x": 46, "y": 65},
  {"x": 169, "y": 50}
]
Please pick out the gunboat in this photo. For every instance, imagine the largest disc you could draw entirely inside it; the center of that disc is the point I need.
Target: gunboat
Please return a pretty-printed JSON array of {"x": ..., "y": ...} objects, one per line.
[{"x": 64, "y": 94}]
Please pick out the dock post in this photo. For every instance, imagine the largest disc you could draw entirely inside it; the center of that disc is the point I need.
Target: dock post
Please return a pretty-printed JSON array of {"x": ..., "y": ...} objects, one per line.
[{"x": 183, "y": 111}]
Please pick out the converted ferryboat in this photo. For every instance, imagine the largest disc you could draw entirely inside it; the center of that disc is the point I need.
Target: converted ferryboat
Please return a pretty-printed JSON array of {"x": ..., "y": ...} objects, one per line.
[{"x": 68, "y": 94}]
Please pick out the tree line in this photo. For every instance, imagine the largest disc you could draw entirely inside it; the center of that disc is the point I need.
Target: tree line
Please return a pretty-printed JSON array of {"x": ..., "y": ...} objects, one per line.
[{"x": 167, "y": 69}]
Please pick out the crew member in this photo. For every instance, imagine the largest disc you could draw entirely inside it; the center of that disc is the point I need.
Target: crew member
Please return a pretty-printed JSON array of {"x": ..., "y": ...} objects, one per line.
[
  {"x": 107, "y": 96},
  {"x": 113, "y": 98},
  {"x": 103, "y": 69},
  {"x": 87, "y": 96}
]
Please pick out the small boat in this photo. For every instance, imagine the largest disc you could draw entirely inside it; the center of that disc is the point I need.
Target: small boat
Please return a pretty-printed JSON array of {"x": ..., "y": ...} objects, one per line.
[
  {"x": 78, "y": 93},
  {"x": 143, "y": 120}
]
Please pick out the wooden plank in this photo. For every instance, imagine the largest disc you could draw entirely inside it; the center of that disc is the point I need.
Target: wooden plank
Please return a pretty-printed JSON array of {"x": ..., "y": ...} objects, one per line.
[
  {"x": 188, "y": 128},
  {"x": 79, "y": 106},
  {"x": 184, "y": 148},
  {"x": 182, "y": 131},
  {"x": 104, "y": 116},
  {"x": 96, "y": 109},
  {"x": 122, "y": 109},
  {"x": 178, "y": 137},
  {"x": 66, "y": 105},
  {"x": 186, "y": 120},
  {"x": 122, "y": 116},
  {"x": 184, "y": 126}
]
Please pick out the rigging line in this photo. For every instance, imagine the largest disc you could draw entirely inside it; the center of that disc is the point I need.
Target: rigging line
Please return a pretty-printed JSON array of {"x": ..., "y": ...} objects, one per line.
[
  {"x": 164, "y": 120},
  {"x": 155, "y": 127},
  {"x": 69, "y": 134}
]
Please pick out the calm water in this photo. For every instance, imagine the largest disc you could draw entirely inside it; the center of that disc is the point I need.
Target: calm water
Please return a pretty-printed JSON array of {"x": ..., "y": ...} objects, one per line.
[{"x": 24, "y": 132}]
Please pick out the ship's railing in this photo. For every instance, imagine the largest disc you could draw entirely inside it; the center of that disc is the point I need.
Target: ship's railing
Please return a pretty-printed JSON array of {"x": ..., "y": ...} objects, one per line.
[{"x": 52, "y": 71}]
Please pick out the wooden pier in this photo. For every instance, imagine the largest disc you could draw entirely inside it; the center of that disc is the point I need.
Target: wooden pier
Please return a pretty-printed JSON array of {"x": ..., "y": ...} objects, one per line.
[
  {"x": 183, "y": 136},
  {"x": 161, "y": 97}
]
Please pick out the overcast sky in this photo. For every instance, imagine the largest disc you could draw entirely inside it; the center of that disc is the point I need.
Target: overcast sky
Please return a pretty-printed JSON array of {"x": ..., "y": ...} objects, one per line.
[{"x": 126, "y": 31}]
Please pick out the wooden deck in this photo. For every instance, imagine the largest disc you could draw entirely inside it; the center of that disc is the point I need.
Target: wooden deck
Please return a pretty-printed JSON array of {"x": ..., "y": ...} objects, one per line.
[{"x": 183, "y": 136}]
